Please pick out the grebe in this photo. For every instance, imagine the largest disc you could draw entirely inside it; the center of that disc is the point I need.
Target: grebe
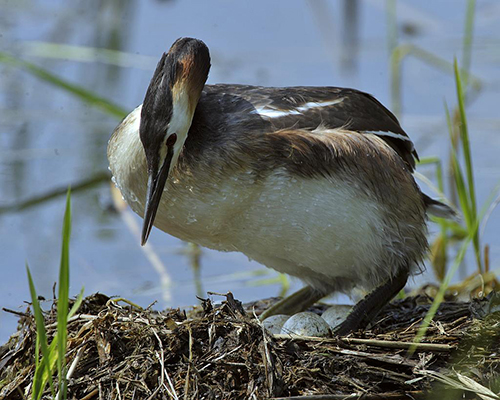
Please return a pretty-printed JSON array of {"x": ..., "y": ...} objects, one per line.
[{"x": 315, "y": 182}]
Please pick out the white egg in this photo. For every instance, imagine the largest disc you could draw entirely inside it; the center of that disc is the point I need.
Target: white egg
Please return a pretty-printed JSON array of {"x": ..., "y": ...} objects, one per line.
[
  {"x": 336, "y": 314},
  {"x": 306, "y": 324},
  {"x": 274, "y": 323}
]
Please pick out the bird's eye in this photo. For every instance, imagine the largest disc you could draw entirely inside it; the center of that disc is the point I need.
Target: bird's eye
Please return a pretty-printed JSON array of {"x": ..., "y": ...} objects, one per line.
[{"x": 171, "y": 140}]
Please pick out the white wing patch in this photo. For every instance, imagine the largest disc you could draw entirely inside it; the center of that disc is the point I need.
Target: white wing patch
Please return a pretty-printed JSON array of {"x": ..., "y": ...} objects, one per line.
[
  {"x": 269, "y": 112},
  {"x": 390, "y": 134}
]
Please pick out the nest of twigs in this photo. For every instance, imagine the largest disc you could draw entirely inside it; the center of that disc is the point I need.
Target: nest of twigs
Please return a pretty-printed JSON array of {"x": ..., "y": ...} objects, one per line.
[{"x": 117, "y": 352}]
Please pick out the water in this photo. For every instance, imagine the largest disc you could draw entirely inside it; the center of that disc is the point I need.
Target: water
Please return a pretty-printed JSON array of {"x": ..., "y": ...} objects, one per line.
[{"x": 49, "y": 139}]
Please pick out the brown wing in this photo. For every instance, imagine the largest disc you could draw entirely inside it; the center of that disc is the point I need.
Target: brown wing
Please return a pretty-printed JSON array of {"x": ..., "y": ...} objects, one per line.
[{"x": 326, "y": 107}]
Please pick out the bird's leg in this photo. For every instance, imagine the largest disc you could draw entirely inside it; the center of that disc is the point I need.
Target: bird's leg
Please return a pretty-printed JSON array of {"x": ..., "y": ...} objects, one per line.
[
  {"x": 296, "y": 302},
  {"x": 368, "y": 308}
]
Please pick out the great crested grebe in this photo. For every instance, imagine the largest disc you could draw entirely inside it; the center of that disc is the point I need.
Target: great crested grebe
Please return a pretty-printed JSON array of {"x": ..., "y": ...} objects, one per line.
[{"x": 315, "y": 182}]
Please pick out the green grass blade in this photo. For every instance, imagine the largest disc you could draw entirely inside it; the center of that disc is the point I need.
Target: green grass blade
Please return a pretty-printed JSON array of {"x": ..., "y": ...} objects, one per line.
[
  {"x": 62, "y": 303},
  {"x": 37, "y": 351},
  {"x": 439, "y": 176},
  {"x": 440, "y": 294},
  {"x": 464, "y": 136},
  {"x": 38, "y": 387},
  {"x": 392, "y": 24},
  {"x": 493, "y": 201},
  {"x": 36, "y": 200},
  {"x": 467, "y": 44},
  {"x": 83, "y": 94},
  {"x": 439, "y": 253},
  {"x": 458, "y": 175},
  {"x": 398, "y": 54},
  {"x": 55, "y": 355},
  {"x": 444, "y": 285},
  {"x": 76, "y": 304},
  {"x": 429, "y": 160},
  {"x": 43, "y": 374},
  {"x": 461, "y": 189},
  {"x": 439, "y": 173},
  {"x": 87, "y": 54}
]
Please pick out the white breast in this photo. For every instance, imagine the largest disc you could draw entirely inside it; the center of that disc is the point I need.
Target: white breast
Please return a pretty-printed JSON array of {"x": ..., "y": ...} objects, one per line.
[{"x": 316, "y": 229}]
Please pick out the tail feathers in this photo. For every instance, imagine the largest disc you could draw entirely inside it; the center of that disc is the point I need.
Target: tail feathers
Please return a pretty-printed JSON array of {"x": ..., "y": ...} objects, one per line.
[{"x": 439, "y": 209}]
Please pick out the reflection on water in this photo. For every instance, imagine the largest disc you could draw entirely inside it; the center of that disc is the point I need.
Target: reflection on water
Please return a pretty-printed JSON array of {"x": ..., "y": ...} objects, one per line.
[{"x": 49, "y": 139}]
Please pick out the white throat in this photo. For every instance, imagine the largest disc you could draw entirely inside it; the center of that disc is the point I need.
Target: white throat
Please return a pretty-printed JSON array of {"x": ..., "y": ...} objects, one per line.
[{"x": 182, "y": 117}]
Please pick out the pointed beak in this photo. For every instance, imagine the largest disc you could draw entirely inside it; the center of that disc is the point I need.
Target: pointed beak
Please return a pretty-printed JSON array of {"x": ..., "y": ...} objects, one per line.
[{"x": 156, "y": 184}]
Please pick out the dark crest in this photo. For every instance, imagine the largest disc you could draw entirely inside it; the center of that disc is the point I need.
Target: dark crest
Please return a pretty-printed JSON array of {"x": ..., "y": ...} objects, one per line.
[{"x": 187, "y": 59}]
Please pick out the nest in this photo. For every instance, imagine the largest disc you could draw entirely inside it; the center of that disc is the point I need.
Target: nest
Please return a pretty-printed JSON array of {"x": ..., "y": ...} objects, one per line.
[{"x": 122, "y": 352}]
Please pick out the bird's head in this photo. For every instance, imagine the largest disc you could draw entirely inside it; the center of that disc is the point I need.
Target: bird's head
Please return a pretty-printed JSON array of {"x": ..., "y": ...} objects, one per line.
[{"x": 167, "y": 113}]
